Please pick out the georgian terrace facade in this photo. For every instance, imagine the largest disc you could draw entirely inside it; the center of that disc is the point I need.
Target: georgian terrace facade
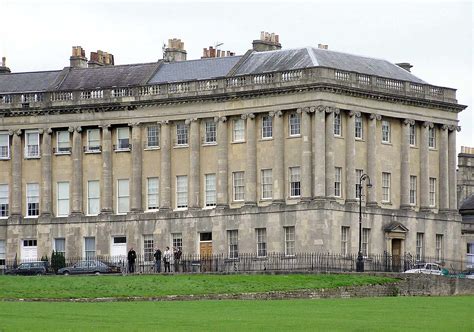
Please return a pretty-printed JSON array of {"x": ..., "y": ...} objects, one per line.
[{"x": 264, "y": 162}]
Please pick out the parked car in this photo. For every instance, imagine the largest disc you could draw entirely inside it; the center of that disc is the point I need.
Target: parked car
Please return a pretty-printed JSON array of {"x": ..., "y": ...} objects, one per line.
[
  {"x": 29, "y": 268},
  {"x": 468, "y": 274},
  {"x": 426, "y": 268},
  {"x": 87, "y": 267}
]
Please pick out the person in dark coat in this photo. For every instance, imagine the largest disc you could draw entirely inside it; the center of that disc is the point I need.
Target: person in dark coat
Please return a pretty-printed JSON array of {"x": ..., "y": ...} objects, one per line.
[
  {"x": 132, "y": 256},
  {"x": 157, "y": 256}
]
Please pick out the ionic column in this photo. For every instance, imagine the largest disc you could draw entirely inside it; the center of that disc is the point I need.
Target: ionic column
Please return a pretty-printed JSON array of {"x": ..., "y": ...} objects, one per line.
[
  {"x": 106, "y": 199},
  {"x": 194, "y": 164},
  {"x": 305, "y": 153},
  {"x": 278, "y": 172},
  {"x": 372, "y": 158},
  {"x": 350, "y": 156},
  {"x": 137, "y": 165},
  {"x": 319, "y": 156},
  {"x": 405, "y": 164},
  {"x": 46, "y": 174},
  {"x": 165, "y": 172},
  {"x": 330, "y": 171},
  {"x": 76, "y": 170},
  {"x": 452, "y": 167},
  {"x": 444, "y": 169},
  {"x": 251, "y": 161},
  {"x": 222, "y": 162},
  {"x": 16, "y": 173},
  {"x": 424, "y": 167}
]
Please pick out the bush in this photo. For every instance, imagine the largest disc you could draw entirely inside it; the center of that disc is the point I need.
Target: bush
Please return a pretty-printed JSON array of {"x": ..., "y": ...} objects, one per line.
[{"x": 57, "y": 261}]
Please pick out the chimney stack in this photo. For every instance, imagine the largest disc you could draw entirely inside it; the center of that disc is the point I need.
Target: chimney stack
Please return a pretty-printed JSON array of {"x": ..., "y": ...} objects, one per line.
[
  {"x": 78, "y": 58},
  {"x": 3, "y": 68},
  {"x": 405, "y": 65},
  {"x": 267, "y": 42},
  {"x": 174, "y": 51},
  {"x": 211, "y": 52},
  {"x": 100, "y": 58},
  {"x": 323, "y": 46}
]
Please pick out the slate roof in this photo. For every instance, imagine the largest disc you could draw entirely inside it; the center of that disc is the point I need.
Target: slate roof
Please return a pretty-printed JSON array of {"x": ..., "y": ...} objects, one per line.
[
  {"x": 108, "y": 76},
  {"x": 200, "y": 69},
  {"x": 28, "y": 82},
  {"x": 291, "y": 59}
]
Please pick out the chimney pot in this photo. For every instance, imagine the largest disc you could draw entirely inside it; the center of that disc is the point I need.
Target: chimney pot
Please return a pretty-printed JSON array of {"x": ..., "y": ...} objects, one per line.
[{"x": 268, "y": 42}]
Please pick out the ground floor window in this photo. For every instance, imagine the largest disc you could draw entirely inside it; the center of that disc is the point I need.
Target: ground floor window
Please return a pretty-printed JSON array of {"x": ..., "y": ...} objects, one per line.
[
  {"x": 439, "y": 247},
  {"x": 345, "y": 240},
  {"x": 89, "y": 248},
  {"x": 365, "y": 241},
  {"x": 148, "y": 248},
  {"x": 2, "y": 253},
  {"x": 261, "y": 234},
  {"x": 177, "y": 241},
  {"x": 233, "y": 243},
  {"x": 289, "y": 240},
  {"x": 60, "y": 246}
]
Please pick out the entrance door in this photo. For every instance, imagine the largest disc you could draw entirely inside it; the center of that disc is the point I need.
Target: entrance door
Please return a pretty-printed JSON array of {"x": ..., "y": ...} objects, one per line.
[
  {"x": 205, "y": 251},
  {"x": 29, "y": 250},
  {"x": 118, "y": 250},
  {"x": 396, "y": 255}
]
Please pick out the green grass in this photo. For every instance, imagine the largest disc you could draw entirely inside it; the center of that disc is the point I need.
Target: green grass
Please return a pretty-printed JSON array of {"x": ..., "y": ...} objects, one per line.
[
  {"x": 14, "y": 287},
  {"x": 368, "y": 314}
]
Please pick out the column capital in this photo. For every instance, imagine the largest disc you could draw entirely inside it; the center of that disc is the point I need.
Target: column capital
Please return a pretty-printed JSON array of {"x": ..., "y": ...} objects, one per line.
[
  {"x": 305, "y": 110},
  {"x": 220, "y": 119},
  {"x": 334, "y": 110},
  {"x": 445, "y": 127},
  {"x": 188, "y": 121},
  {"x": 355, "y": 113},
  {"x": 40, "y": 131},
  {"x": 78, "y": 129},
  {"x": 321, "y": 108},
  {"x": 275, "y": 114},
  {"x": 407, "y": 122},
  {"x": 163, "y": 122},
  {"x": 376, "y": 117},
  {"x": 134, "y": 124},
  {"x": 454, "y": 128},
  {"x": 17, "y": 132},
  {"x": 428, "y": 124},
  {"x": 105, "y": 126},
  {"x": 250, "y": 116}
]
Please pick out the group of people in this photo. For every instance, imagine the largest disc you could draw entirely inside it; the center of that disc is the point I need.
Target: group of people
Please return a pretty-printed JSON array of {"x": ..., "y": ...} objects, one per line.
[{"x": 159, "y": 256}]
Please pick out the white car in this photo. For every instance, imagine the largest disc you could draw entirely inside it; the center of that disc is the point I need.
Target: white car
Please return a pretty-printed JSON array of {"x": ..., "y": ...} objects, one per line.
[{"x": 426, "y": 268}]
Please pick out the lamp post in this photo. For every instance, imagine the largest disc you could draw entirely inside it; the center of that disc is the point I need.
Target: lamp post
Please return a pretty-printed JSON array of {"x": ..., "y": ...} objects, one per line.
[{"x": 360, "y": 257}]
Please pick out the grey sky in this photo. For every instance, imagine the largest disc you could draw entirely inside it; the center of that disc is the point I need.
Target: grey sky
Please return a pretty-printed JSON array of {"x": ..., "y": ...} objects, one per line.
[{"x": 436, "y": 37}]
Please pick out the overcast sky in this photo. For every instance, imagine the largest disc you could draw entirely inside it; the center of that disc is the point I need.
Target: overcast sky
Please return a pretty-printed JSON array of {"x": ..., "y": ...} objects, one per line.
[{"x": 435, "y": 37}]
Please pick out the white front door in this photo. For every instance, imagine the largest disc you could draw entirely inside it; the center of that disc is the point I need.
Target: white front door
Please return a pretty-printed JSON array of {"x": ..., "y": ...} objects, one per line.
[
  {"x": 118, "y": 250},
  {"x": 29, "y": 250}
]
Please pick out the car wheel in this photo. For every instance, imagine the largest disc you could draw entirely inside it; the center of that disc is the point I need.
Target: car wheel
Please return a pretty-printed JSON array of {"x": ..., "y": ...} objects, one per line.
[
  {"x": 66, "y": 273},
  {"x": 97, "y": 273}
]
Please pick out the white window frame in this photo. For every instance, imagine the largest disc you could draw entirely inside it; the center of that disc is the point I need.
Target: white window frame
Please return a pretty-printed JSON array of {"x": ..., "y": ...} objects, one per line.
[
  {"x": 32, "y": 150},
  {"x": 177, "y": 241},
  {"x": 358, "y": 174},
  {"x": 89, "y": 254},
  {"x": 123, "y": 139},
  {"x": 93, "y": 197},
  {"x": 152, "y": 137},
  {"x": 233, "y": 243},
  {"x": 290, "y": 239},
  {"x": 413, "y": 189},
  {"x": 238, "y": 186},
  {"x": 386, "y": 131},
  {"x": 432, "y": 137},
  {"x": 62, "y": 199},
  {"x": 345, "y": 240},
  {"x": 412, "y": 135},
  {"x": 433, "y": 184},
  {"x": 267, "y": 127},
  {"x": 337, "y": 124},
  {"x": 123, "y": 196},
  {"x": 182, "y": 138},
  {"x": 261, "y": 237},
  {"x": 4, "y": 146},
  {"x": 4, "y": 200},
  {"x": 210, "y": 132},
  {"x": 294, "y": 121},
  {"x": 152, "y": 193},
  {"x": 337, "y": 181},
  {"x": 32, "y": 197},
  {"x": 386, "y": 187},
  {"x": 420, "y": 247},
  {"x": 210, "y": 190},
  {"x": 148, "y": 248},
  {"x": 3, "y": 254},
  {"x": 267, "y": 183},
  {"x": 439, "y": 247},
  {"x": 63, "y": 142},
  {"x": 294, "y": 177},
  {"x": 238, "y": 130},
  {"x": 365, "y": 242},
  {"x": 358, "y": 128},
  {"x": 56, "y": 249},
  {"x": 181, "y": 192},
  {"x": 90, "y": 140}
]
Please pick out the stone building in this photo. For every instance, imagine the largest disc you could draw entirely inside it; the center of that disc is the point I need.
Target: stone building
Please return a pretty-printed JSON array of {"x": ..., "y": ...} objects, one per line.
[
  {"x": 466, "y": 202},
  {"x": 254, "y": 153}
]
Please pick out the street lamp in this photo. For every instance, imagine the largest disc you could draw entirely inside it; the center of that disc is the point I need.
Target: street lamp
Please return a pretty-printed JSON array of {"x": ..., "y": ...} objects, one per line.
[{"x": 360, "y": 257}]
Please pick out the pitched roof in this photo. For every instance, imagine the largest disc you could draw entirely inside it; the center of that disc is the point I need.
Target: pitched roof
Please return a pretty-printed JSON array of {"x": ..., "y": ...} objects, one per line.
[
  {"x": 200, "y": 69},
  {"x": 28, "y": 82}
]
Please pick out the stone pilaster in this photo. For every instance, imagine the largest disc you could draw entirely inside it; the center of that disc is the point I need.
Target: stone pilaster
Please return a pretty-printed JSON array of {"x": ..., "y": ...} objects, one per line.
[
  {"x": 251, "y": 161},
  {"x": 444, "y": 169},
  {"x": 305, "y": 153},
  {"x": 165, "y": 167},
  {"x": 424, "y": 167},
  {"x": 452, "y": 167},
  {"x": 405, "y": 164},
  {"x": 319, "y": 155},
  {"x": 76, "y": 171},
  {"x": 372, "y": 158},
  {"x": 350, "y": 156},
  {"x": 16, "y": 172},
  {"x": 222, "y": 162},
  {"x": 278, "y": 172},
  {"x": 330, "y": 171},
  {"x": 194, "y": 164},
  {"x": 137, "y": 166},
  {"x": 107, "y": 192},
  {"x": 46, "y": 174}
]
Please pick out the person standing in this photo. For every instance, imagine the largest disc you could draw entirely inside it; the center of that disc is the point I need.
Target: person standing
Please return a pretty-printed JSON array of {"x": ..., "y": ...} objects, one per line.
[
  {"x": 177, "y": 258},
  {"x": 157, "y": 256},
  {"x": 132, "y": 256},
  {"x": 167, "y": 259}
]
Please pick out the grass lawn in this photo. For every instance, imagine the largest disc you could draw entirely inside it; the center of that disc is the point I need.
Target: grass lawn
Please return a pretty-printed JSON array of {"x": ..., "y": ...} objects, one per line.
[
  {"x": 368, "y": 314},
  {"x": 12, "y": 287}
]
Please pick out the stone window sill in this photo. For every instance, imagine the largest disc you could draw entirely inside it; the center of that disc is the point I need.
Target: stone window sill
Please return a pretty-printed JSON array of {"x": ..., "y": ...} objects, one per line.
[
  {"x": 121, "y": 150},
  {"x": 237, "y": 142},
  {"x": 5, "y": 158},
  {"x": 151, "y": 148},
  {"x": 182, "y": 146},
  {"x": 209, "y": 144},
  {"x": 62, "y": 153}
]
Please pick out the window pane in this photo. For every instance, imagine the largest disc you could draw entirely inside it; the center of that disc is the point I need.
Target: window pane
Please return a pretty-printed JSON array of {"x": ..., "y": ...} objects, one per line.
[
  {"x": 182, "y": 191},
  {"x": 210, "y": 189},
  {"x": 152, "y": 136},
  {"x": 153, "y": 190},
  {"x": 238, "y": 133},
  {"x": 295, "y": 124}
]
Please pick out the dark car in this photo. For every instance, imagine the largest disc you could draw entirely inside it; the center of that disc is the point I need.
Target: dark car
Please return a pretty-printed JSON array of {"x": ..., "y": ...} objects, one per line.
[
  {"x": 29, "y": 268},
  {"x": 87, "y": 267}
]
